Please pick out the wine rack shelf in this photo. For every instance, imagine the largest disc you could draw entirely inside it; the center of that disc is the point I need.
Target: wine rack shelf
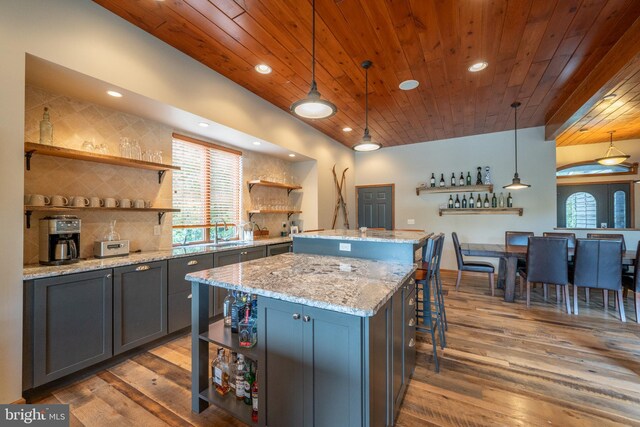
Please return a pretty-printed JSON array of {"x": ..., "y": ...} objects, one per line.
[
  {"x": 457, "y": 189},
  {"x": 482, "y": 211}
]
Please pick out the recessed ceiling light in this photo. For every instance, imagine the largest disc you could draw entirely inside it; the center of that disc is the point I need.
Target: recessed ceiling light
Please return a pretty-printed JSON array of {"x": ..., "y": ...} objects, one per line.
[
  {"x": 292, "y": 155},
  {"x": 263, "y": 68},
  {"x": 609, "y": 97},
  {"x": 584, "y": 130},
  {"x": 347, "y": 129},
  {"x": 257, "y": 142},
  {"x": 114, "y": 94},
  {"x": 409, "y": 84},
  {"x": 203, "y": 125},
  {"x": 478, "y": 66}
]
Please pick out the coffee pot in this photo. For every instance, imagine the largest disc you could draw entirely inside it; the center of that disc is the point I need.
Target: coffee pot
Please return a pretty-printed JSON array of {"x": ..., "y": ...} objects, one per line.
[{"x": 65, "y": 250}]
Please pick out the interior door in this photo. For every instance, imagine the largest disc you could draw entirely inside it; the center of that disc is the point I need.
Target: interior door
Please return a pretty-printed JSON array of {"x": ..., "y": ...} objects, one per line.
[
  {"x": 375, "y": 206},
  {"x": 609, "y": 205}
]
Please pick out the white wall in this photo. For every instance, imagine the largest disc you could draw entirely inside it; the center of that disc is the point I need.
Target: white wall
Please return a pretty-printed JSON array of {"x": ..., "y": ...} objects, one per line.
[
  {"x": 410, "y": 165},
  {"x": 84, "y": 37}
]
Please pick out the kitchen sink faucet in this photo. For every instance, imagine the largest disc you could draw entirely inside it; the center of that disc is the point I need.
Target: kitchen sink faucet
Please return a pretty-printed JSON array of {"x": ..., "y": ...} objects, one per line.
[{"x": 215, "y": 230}]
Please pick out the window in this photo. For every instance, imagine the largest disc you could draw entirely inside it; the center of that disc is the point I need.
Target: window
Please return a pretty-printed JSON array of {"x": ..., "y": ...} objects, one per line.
[
  {"x": 581, "y": 211},
  {"x": 603, "y": 205},
  {"x": 619, "y": 209},
  {"x": 207, "y": 189},
  {"x": 595, "y": 168}
]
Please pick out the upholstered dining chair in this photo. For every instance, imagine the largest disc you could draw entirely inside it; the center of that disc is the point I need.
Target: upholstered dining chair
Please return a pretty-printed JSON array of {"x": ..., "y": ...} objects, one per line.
[
  {"x": 608, "y": 236},
  {"x": 571, "y": 237},
  {"x": 632, "y": 283},
  {"x": 475, "y": 266}
]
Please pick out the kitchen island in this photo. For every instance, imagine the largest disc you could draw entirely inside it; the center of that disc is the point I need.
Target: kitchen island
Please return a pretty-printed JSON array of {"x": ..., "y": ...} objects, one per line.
[{"x": 336, "y": 339}]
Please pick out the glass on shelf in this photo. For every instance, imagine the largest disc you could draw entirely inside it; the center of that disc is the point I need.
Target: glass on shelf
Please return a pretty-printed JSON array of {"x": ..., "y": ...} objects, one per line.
[
  {"x": 88, "y": 146},
  {"x": 125, "y": 148},
  {"x": 147, "y": 156},
  {"x": 156, "y": 156},
  {"x": 136, "y": 152}
]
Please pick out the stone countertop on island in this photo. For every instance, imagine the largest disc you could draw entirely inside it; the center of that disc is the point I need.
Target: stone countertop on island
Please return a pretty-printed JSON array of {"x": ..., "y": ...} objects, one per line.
[
  {"x": 37, "y": 271},
  {"x": 386, "y": 236},
  {"x": 347, "y": 285}
]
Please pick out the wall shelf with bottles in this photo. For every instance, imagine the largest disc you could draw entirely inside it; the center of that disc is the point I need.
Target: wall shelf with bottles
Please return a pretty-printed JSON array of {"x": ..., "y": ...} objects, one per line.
[
  {"x": 272, "y": 211},
  {"x": 481, "y": 211},
  {"x": 263, "y": 183},
  {"x": 68, "y": 209},
  {"x": 456, "y": 189},
  {"x": 31, "y": 148}
]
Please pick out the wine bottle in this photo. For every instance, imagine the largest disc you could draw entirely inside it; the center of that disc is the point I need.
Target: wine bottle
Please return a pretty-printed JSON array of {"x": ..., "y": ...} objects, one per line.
[
  {"x": 450, "y": 204},
  {"x": 472, "y": 203},
  {"x": 479, "y": 176},
  {"x": 479, "y": 201},
  {"x": 509, "y": 201},
  {"x": 501, "y": 200},
  {"x": 486, "y": 200},
  {"x": 461, "y": 180},
  {"x": 457, "y": 203},
  {"x": 432, "y": 181},
  {"x": 464, "y": 201},
  {"x": 442, "y": 180},
  {"x": 468, "y": 178},
  {"x": 453, "y": 179},
  {"x": 494, "y": 201}
]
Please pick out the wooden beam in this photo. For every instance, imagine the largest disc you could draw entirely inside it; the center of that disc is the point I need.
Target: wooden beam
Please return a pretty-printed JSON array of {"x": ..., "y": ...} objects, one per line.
[{"x": 617, "y": 64}]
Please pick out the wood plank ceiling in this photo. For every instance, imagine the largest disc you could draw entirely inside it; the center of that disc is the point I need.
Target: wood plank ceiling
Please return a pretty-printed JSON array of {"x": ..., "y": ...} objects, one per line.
[{"x": 538, "y": 51}]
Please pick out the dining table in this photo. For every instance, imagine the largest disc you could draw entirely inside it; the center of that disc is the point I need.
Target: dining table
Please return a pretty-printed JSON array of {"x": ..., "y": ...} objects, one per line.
[{"x": 511, "y": 254}]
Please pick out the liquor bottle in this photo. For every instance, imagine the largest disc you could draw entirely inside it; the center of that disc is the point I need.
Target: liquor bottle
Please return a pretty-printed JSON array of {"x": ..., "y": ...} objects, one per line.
[
  {"x": 472, "y": 203},
  {"x": 450, "y": 204},
  {"x": 457, "y": 203},
  {"x": 254, "y": 399},
  {"x": 461, "y": 180},
  {"x": 229, "y": 300},
  {"x": 249, "y": 378},
  {"x": 486, "y": 200},
  {"x": 432, "y": 181},
  {"x": 468, "y": 178},
  {"x": 221, "y": 373},
  {"x": 235, "y": 308},
  {"x": 233, "y": 372},
  {"x": 509, "y": 201},
  {"x": 453, "y": 179},
  {"x": 479, "y": 201},
  {"x": 442, "y": 184},
  {"x": 46, "y": 129},
  {"x": 494, "y": 201},
  {"x": 479, "y": 176},
  {"x": 216, "y": 372},
  {"x": 501, "y": 200},
  {"x": 464, "y": 201},
  {"x": 254, "y": 306},
  {"x": 240, "y": 372},
  {"x": 487, "y": 176}
]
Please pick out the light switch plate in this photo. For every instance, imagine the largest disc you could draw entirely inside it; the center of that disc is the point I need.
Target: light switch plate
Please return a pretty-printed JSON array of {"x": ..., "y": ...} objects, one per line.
[
  {"x": 345, "y": 247},
  {"x": 411, "y": 221},
  {"x": 157, "y": 230}
]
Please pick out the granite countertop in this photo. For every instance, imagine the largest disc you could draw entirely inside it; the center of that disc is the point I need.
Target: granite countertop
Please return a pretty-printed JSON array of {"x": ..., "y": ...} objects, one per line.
[
  {"x": 347, "y": 285},
  {"x": 37, "y": 271},
  {"x": 387, "y": 236}
]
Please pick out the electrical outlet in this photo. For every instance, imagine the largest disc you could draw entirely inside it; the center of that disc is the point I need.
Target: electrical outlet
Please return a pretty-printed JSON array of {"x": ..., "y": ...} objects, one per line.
[
  {"x": 411, "y": 221},
  {"x": 157, "y": 230},
  {"x": 346, "y": 247}
]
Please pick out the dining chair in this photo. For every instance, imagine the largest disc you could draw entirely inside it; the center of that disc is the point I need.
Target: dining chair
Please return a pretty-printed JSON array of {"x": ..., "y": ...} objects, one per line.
[
  {"x": 514, "y": 238},
  {"x": 423, "y": 296},
  {"x": 608, "y": 236},
  {"x": 474, "y": 266},
  {"x": 547, "y": 263},
  {"x": 599, "y": 266},
  {"x": 632, "y": 283},
  {"x": 571, "y": 237}
]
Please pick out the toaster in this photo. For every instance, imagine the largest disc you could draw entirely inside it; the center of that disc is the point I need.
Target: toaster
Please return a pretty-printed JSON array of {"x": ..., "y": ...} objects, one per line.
[{"x": 111, "y": 248}]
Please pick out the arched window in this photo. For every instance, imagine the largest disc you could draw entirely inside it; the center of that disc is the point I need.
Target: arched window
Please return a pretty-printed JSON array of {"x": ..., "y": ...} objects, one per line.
[
  {"x": 594, "y": 168},
  {"x": 619, "y": 209},
  {"x": 581, "y": 210}
]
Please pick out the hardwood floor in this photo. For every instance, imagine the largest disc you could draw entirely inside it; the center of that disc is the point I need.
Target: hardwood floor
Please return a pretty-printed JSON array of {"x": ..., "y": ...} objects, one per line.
[{"x": 504, "y": 365}]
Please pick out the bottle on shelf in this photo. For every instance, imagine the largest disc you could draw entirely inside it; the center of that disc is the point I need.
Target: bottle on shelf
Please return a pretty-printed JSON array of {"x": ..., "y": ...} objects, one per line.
[
  {"x": 240, "y": 372},
  {"x": 479, "y": 176},
  {"x": 46, "y": 129},
  {"x": 453, "y": 179},
  {"x": 464, "y": 201},
  {"x": 450, "y": 204},
  {"x": 472, "y": 203},
  {"x": 494, "y": 201},
  {"x": 235, "y": 307},
  {"x": 233, "y": 372},
  {"x": 249, "y": 378},
  {"x": 229, "y": 300},
  {"x": 254, "y": 307},
  {"x": 442, "y": 184},
  {"x": 501, "y": 200},
  {"x": 486, "y": 200},
  {"x": 461, "y": 180},
  {"x": 220, "y": 372},
  {"x": 247, "y": 330},
  {"x": 509, "y": 201},
  {"x": 254, "y": 399},
  {"x": 487, "y": 176},
  {"x": 432, "y": 181},
  {"x": 457, "y": 202},
  {"x": 468, "y": 178},
  {"x": 479, "y": 201}
]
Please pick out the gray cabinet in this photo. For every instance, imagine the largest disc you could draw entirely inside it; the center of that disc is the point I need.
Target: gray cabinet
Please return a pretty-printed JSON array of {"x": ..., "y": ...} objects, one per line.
[
  {"x": 139, "y": 305},
  {"x": 232, "y": 257},
  {"x": 280, "y": 248},
  {"x": 317, "y": 364},
  {"x": 71, "y": 325},
  {"x": 179, "y": 290}
]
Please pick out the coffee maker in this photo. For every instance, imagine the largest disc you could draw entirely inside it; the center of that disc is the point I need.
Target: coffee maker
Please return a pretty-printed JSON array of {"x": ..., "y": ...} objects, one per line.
[{"x": 59, "y": 239}]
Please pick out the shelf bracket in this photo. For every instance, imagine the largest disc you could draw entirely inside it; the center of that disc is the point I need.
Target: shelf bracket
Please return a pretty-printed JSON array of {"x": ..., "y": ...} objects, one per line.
[
  {"x": 250, "y": 187},
  {"x": 160, "y": 215},
  {"x": 289, "y": 190},
  {"x": 250, "y": 216},
  {"x": 289, "y": 215},
  {"x": 28, "y": 215},
  {"x": 27, "y": 157},
  {"x": 161, "y": 176}
]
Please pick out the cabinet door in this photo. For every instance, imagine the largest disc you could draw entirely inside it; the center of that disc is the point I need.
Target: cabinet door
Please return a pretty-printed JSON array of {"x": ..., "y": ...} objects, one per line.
[
  {"x": 177, "y": 269},
  {"x": 140, "y": 305},
  {"x": 254, "y": 253},
  {"x": 333, "y": 368},
  {"x": 178, "y": 311},
  {"x": 397, "y": 358},
  {"x": 409, "y": 333},
  {"x": 72, "y": 324},
  {"x": 220, "y": 260},
  {"x": 278, "y": 249},
  {"x": 280, "y": 328}
]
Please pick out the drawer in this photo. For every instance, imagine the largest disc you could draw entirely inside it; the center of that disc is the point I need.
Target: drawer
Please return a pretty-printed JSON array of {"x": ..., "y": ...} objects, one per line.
[
  {"x": 180, "y": 267},
  {"x": 179, "y": 311},
  {"x": 409, "y": 287}
]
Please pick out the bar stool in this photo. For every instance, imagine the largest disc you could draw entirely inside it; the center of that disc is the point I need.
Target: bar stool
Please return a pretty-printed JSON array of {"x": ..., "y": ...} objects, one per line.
[
  {"x": 440, "y": 309},
  {"x": 423, "y": 297}
]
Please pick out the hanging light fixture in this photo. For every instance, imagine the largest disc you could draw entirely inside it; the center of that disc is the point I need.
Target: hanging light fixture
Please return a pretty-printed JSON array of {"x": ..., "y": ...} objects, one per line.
[
  {"x": 366, "y": 144},
  {"x": 515, "y": 183},
  {"x": 312, "y": 107},
  {"x": 611, "y": 158}
]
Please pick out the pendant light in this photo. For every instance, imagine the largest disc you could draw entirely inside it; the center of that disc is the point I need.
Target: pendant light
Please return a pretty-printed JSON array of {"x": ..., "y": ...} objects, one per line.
[
  {"x": 611, "y": 158},
  {"x": 312, "y": 107},
  {"x": 366, "y": 144},
  {"x": 515, "y": 183}
]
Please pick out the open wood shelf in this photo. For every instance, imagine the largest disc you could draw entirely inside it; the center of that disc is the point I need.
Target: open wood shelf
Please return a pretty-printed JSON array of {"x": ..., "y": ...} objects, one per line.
[
  {"x": 457, "y": 189},
  {"x": 222, "y": 336},
  {"x": 31, "y": 148},
  {"x": 262, "y": 183},
  {"x": 229, "y": 403},
  {"x": 68, "y": 209},
  {"x": 482, "y": 211},
  {"x": 272, "y": 211}
]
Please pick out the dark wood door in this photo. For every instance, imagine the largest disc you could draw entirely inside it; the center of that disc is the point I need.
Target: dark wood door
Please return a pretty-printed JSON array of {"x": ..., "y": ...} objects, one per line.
[{"x": 375, "y": 207}]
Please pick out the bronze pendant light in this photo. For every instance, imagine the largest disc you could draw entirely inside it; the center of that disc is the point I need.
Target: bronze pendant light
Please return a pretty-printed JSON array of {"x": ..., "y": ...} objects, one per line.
[{"x": 515, "y": 183}]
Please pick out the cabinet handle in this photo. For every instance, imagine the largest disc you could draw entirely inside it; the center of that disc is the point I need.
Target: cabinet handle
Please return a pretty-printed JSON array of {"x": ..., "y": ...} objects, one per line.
[
  {"x": 142, "y": 268},
  {"x": 191, "y": 295},
  {"x": 412, "y": 321},
  {"x": 306, "y": 318},
  {"x": 108, "y": 276},
  {"x": 296, "y": 316},
  {"x": 412, "y": 342},
  {"x": 412, "y": 302},
  {"x": 244, "y": 253},
  {"x": 412, "y": 281},
  {"x": 192, "y": 262}
]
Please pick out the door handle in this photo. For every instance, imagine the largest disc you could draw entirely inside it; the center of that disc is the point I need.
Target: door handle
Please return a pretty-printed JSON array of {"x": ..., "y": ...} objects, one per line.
[
  {"x": 142, "y": 268},
  {"x": 192, "y": 262},
  {"x": 296, "y": 316},
  {"x": 306, "y": 318}
]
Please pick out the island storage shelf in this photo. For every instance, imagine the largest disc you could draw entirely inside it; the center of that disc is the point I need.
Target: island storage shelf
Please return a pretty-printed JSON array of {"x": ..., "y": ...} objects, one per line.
[{"x": 220, "y": 335}]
